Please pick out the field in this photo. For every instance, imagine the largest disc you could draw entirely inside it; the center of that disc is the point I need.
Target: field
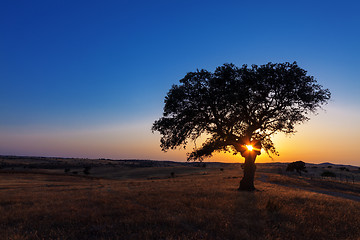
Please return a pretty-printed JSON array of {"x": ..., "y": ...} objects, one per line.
[{"x": 38, "y": 200}]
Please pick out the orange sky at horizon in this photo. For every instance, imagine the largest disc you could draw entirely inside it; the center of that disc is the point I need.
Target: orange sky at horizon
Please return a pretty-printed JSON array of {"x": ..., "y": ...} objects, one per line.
[
  {"x": 327, "y": 137},
  {"x": 88, "y": 80}
]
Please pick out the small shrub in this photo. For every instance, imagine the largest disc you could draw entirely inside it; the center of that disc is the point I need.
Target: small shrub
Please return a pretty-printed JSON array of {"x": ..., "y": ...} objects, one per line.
[
  {"x": 86, "y": 170},
  {"x": 344, "y": 169},
  {"x": 66, "y": 170},
  {"x": 328, "y": 174}
]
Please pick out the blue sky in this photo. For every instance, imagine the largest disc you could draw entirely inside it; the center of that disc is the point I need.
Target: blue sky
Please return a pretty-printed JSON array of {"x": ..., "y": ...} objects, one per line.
[{"x": 88, "y": 70}]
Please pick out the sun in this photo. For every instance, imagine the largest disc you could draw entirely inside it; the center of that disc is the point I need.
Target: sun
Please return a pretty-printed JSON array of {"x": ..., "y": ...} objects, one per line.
[{"x": 249, "y": 147}]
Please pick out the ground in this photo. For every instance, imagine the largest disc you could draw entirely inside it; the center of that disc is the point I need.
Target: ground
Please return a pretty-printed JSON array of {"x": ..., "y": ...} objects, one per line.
[{"x": 194, "y": 202}]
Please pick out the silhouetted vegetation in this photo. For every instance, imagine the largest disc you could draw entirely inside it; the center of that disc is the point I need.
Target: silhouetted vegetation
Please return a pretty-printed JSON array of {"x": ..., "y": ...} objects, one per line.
[
  {"x": 344, "y": 169},
  {"x": 87, "y": 170},
  {"x": 297, "y": 166},
  {"x": 328, "y": 174},
  {"x": 236, "y": 107}
]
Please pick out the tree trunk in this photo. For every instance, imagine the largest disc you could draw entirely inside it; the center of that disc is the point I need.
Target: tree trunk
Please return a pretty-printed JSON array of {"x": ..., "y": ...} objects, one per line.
[{"x": 247, "y": 182}]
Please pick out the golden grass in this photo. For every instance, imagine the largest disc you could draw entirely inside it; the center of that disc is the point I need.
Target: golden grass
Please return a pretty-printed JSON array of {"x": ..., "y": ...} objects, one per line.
[{"x": 36, "y": 206}]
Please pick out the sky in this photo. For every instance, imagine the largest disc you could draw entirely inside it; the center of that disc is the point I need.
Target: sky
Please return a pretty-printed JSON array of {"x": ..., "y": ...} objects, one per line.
[{"x": 88, "y": 78}]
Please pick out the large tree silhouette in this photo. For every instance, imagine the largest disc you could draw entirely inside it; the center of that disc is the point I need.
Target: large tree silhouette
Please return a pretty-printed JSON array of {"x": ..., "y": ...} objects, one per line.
[{"x": 238, "y": 109}]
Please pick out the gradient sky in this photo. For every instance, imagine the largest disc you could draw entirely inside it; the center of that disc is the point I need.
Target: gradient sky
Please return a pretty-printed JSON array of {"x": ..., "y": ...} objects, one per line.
[{"x": 88, "y": 78}]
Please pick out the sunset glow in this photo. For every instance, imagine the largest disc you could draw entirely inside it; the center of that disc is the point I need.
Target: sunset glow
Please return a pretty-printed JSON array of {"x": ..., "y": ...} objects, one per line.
[
  {"x": 91, "y": 86},
  {"x": 249, "y": 147}
]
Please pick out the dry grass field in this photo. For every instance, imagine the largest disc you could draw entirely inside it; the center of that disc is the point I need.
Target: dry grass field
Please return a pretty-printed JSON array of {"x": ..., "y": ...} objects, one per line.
[{"x": 194, "y": 204}]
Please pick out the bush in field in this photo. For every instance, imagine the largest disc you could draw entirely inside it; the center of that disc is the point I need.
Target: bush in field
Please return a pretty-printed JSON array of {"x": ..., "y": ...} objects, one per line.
[
  {"x": 328, "y": 174},
  {"x": 86, "y": 170},
  {"x": 298, "y": 166},
  {"x": 66, "y": 170},
  {"x": 344, "y": 169}
]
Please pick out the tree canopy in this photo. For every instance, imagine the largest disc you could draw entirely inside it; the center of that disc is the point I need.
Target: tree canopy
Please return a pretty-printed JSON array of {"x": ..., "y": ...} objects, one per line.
[
  {"x": 235, "y": 106},
  {"x": 298, "y": 166}
]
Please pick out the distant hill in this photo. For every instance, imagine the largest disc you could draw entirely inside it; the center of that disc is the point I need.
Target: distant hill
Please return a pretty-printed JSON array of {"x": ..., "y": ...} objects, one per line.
[{"x": 60, "y": 162}]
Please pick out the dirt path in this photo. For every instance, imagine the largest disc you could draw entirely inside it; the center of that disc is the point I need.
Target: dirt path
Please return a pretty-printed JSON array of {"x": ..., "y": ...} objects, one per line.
[{"x": 264, "y": 178}]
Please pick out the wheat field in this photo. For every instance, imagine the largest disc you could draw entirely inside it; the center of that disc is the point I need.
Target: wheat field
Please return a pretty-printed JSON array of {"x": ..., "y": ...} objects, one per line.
[{"x": 195, "y": 205}]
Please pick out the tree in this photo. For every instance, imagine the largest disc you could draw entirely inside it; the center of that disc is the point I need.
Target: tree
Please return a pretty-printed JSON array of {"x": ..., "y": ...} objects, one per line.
[
  {"x": 238, "y": 110},
  {"x": 298, "y": 166}
]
